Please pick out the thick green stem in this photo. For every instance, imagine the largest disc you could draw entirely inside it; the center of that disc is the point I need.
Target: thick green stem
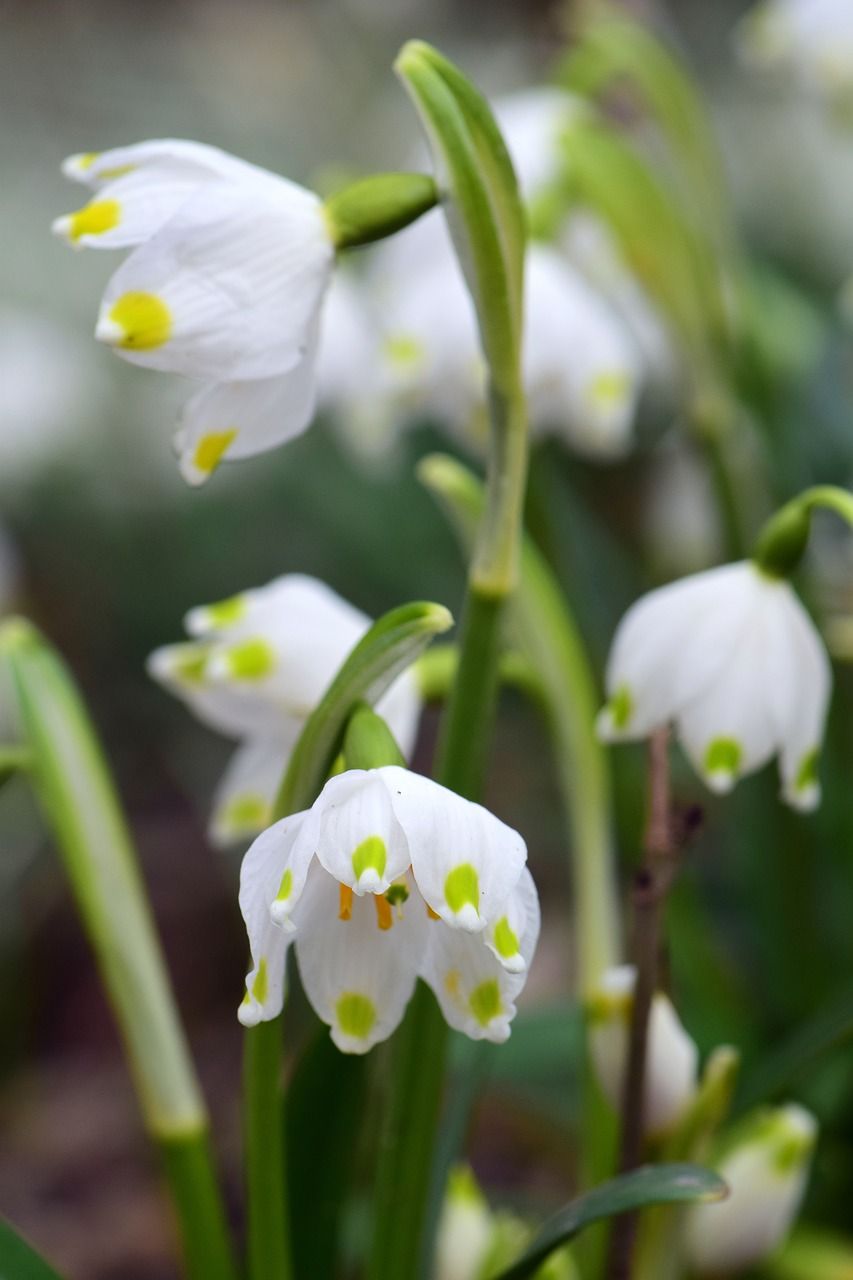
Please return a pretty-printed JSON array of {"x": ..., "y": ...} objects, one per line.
[
  {"x": 268, "y": 1250},
  {"x": 77, "y": 794},
  {"x": 188, "y": 1165}
]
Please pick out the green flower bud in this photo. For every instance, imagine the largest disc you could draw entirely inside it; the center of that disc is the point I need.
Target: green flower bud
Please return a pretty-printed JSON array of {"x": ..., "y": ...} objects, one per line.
[{"x": 375, "y": 207}]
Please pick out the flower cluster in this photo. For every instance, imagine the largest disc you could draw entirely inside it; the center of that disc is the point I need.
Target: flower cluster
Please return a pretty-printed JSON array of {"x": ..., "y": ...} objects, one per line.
[
  {"x": 256, "y": 667},
  {"x": 387, "y": 878}
]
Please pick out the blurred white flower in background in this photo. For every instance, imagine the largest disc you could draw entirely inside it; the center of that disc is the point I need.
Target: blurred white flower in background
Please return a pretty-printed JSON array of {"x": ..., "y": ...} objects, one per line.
[
  {"x": 257, "y": 666},
  {"x": 812, "y": 39},
  {"x": 680, "y": 517},
  {"x": 672, "y": 1058},
  {"x": 766, "y": 1169},
  {"x": 49, "y": 393}
]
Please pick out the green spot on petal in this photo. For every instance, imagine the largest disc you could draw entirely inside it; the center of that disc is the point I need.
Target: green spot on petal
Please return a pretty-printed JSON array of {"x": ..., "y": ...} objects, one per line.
[
  {"x": 621, "y": 707},
  {"x": 506, "y": 942},
  {"x": 260, "y": 986},
  {"x": 189, "y": 664},
  {"x": 225, "y": 612},
  {"x": 286, "y": 887},
  {"x": 371, "y": 855},
  {"x": 247, "y": 812},
  {"x": 356, "y": 1015},
  {"x": 485, "y": 1002},
  {"x": 404, "y": 352},
  {"x": 723, "y": 757},
  {"x": 807, "y": 772},
  {"x": 251, "y": 660},
  {"x": 462, "y": 888}
]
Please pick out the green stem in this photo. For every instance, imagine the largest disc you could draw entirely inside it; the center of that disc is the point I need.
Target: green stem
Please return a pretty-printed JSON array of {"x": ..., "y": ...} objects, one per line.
[
  {"x": 77, "y": 794},
  {"x": 188, "y": 1164},
  {"x": 268, "y": 1251}
]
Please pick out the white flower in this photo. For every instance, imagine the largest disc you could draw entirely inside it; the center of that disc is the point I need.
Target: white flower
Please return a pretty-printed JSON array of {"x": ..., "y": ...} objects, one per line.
[
  {"x": 465, "y": 1228},
  {"x": 225, "y": 284},
  {"x": 387, "y": 878},
  {"x": 766, "y": 1173},
  {"x": 532, "y": 122},
  {"x": 731, "y": 657},
  {"x": 672, "y": 1058},
  {"x": 259, "y": 664},
  {"x": 813, "y": 39}
]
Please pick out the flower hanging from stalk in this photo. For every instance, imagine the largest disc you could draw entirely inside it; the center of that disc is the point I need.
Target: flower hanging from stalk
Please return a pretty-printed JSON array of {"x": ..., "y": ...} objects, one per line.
[
  {"x": 731, "y": 657},
  {"x": 226, "y": 281},
  {"x": 257, "y": 666},
  {"x": 387, "y": 878}
]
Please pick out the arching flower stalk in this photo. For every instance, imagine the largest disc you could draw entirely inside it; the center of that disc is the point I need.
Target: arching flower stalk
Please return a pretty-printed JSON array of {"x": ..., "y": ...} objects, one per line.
[
  {"x": 387, "y": 878},
  {"x": 256, "y": 667}
]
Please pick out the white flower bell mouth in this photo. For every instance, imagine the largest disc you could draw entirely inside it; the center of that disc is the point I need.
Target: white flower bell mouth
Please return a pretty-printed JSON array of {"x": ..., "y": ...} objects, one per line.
[
  {"x": 225, "y": 284},
  {"x": 731, "y": 657},
  {"x": 387, "y": 878}
]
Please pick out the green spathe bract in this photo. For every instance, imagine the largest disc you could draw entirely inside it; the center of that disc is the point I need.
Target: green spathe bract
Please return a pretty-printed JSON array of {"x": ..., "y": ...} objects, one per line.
[{"x": 375, "y": 207}]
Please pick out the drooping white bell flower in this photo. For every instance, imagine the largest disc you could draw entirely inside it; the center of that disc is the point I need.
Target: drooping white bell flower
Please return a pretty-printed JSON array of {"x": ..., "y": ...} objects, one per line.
[
  {"x": 257, "y": 666},
  {"x": 766, "y": 1173},
  {"x": 389, "y": 877},
  {"x": 465, "y": 1228},
  {"x": 225, "y": 284},
  {"x": 672, "y": 1058},
  {"x": 813, "y": 39},
  {"x": 731, "y": 657}
]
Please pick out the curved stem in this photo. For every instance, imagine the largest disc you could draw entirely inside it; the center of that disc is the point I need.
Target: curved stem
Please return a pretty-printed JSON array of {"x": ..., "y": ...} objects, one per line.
[{"x": 831, "y": 498}]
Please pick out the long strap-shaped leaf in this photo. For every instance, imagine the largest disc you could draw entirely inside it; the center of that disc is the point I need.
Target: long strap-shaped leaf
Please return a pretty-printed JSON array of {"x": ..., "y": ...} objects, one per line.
[
  {"x": 18, "y": 1261},
  {"x": 651, "y": 1185}
]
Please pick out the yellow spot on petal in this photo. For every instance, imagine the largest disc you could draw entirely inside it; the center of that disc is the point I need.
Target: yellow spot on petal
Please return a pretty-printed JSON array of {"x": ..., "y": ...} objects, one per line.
[
  {"x": 286, "y": 887},
  {"x": 609, "y": 388},
  {"x": 247, "y": 812},
  {"x": 506, "y": 941},
  {"x": 371, "y": 855},
  {"x": 345, "y": 900},
  {"x": 225, "y": 612},
  {"x": 210, "y": 449},
  {"x": 485, "y": 1002},
  {"x": 384, "y": 915},
  {"x": 144, "y": 320},
  {"x": 86, "y": 159},
  {"x": 260, "y": 985},
  {"x": 462, "y": 888},
  {"x": 403, "y": 351},
  {"x": 107, "y": 175},
  {"x": 251, "y": 660},
  {"x": 356, "y": 1014},
  {"x": 94, "y": 219},
  {"x": 190, "y": 664},
  {"x": 451, "y": 983}
]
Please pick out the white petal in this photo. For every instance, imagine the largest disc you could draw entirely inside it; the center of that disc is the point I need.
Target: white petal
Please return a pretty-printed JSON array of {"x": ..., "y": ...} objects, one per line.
[
  {"x": 360, "y": 842},
  {"x": 183, "y": 669},
  {"x": 230, "y": 420},
  {"x": 273, "y": 855},
  {"x": 129, "y": 210},
  {"x": 670, "y": 646},
  {"x": 801, "y": 732},
  {"x": 358, "y": 976},
  {"x": 228, "y": 289},
  {"x": 508, "y": 936},
  {"x": 244, "y": 799},
  {"x": 475, "y": 991},
  {"x": 98, "y": 168},
  {"x": 465, "y": 860},
  {"x": 672, "y": 1057}
]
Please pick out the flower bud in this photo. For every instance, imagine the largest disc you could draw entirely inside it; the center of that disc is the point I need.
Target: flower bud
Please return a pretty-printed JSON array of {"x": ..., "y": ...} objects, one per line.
[
  {"x": 671, "y": 1055},
  {"x": 375, "y": 207},
  {"x": 766, "y": 1172},
  {"x": 464, "y": 1229}
]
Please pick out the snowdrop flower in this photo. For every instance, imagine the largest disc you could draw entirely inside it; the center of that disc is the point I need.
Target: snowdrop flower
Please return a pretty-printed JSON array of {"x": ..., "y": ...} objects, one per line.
[
  {"x": 811, "y": 38},
  {"x": 731, "y": 657},
  {"x": 387, "y": 878},
  {"x": 766, "y": 1172},
  {"x": 256, "y": 667},
  {"x": 672, "y": 1057},
  {"x": 225, "y": 284}
]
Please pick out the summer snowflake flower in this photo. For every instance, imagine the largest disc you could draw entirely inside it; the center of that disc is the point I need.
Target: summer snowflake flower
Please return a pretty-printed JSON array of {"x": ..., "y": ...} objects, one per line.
[
  {"x": 672, "y": 1058},
  {"x": 811, "y": 38},
  {"x": 766, "y": 1172},
  {"x": 257, "y": 666},
  {"x": 732, "y": 658},
  {"x": 387, "y": 878},
  {"x": 225, "y": 284}
]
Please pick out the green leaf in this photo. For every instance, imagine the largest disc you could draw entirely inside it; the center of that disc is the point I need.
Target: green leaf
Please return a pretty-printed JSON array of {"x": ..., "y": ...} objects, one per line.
[
  {"x": 18, "y": 1261},
  {"x": 653, "y": 1184},
  {"x": 478, "y": 183},
  {"x": 390, "y": 646}
]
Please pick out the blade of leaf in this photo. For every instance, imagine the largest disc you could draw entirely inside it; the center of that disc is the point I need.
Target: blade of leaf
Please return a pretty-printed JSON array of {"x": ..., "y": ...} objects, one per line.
[
  {"x": 653, "y": 1184},
  {"x": 18, "y": 1261},
  {"x": 390, "y": 646}
]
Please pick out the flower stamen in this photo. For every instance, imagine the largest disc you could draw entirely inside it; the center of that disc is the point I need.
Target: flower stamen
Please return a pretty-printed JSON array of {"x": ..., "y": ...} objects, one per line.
[{"x": 345, "y": 908}]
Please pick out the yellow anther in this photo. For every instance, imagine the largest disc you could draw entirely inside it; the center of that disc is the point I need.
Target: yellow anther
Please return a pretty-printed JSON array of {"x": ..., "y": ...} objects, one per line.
[
  {"x": 384, "y": 914},
  {"x": 345, "y": 898}
]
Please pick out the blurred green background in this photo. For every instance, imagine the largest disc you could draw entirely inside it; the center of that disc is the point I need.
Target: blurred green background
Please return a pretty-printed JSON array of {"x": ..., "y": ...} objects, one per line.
[{"x": 107, "y": 549}]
